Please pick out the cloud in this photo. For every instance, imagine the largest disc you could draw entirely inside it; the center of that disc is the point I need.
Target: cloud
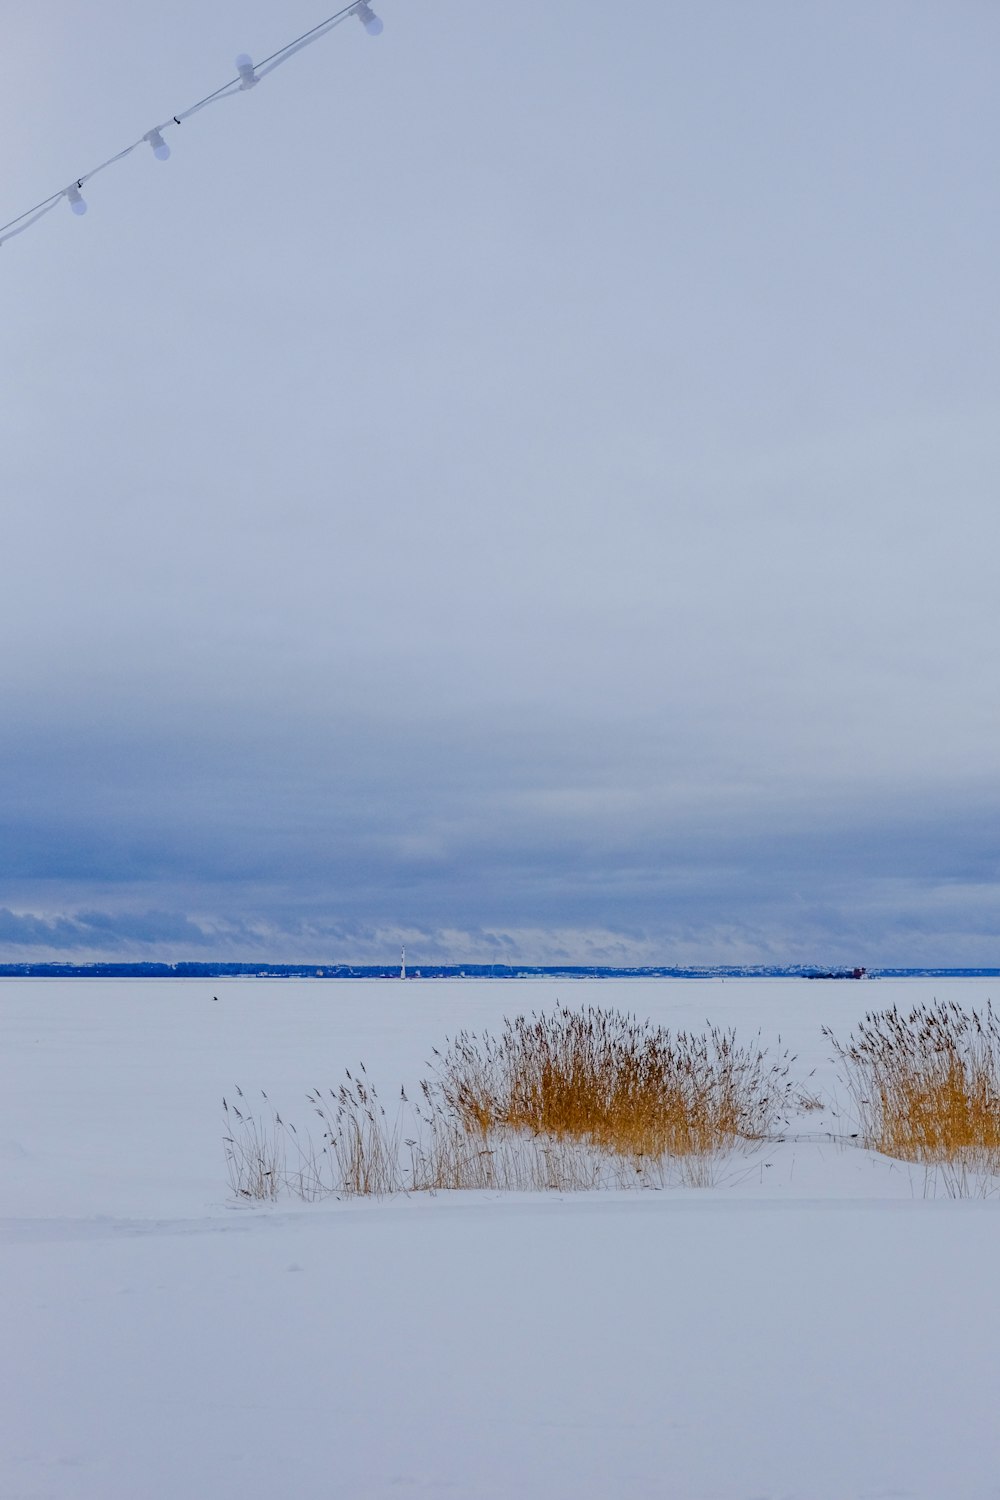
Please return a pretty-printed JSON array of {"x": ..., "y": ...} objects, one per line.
[
  {"x": 572, "y": 533},
  {"x": 144, "y": 841},
  {"x": 882, "y": 923}
]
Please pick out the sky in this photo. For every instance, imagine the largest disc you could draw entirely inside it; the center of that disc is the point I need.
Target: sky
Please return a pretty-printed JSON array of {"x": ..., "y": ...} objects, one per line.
[{"x": 524, "y": 485}]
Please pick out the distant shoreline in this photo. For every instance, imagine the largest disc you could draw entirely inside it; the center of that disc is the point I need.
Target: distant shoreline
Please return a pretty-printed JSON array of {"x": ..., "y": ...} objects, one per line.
[{"x": 194, "y": 970}]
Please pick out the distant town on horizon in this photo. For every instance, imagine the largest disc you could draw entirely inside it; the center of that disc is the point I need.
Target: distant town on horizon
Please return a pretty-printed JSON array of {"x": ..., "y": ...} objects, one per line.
[{"x": 201, "y": 970}]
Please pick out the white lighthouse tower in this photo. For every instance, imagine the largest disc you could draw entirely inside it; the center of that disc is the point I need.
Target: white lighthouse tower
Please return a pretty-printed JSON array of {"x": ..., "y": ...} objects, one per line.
[{"x": 402, "y": 962}]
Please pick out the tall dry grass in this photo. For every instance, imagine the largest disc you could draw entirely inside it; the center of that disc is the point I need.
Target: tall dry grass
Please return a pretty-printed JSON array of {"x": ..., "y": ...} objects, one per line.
[
  {"x": 926, "y": 1085},
  {"x": 254, "y": 1148},
  {"x": 615, "y": 1083},
  {"x": 570, "y": 1101}
]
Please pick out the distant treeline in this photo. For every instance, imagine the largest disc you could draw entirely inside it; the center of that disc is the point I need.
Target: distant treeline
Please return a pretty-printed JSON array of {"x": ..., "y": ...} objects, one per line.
[{"x": 461, "y": 971}]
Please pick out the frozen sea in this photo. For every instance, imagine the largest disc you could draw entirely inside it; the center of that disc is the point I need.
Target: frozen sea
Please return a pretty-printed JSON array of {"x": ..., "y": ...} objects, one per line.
[{"x": 822, "y": 1324}]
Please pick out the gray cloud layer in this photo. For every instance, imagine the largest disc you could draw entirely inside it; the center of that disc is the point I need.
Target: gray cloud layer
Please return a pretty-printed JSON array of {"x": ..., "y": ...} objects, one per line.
[{"x": 529, "y": 481}]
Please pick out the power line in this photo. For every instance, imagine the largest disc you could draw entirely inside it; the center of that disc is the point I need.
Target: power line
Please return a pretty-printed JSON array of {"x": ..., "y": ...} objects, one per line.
[{"x": 248, "y": 74}]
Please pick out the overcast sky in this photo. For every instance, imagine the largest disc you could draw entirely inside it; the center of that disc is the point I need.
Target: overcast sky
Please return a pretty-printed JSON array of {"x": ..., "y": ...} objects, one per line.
[{"x": 526, "y": 483}]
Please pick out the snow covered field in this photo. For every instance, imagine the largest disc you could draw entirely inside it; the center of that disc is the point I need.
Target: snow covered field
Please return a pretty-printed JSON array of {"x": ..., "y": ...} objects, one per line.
[{"x": 822, "y": 1324}]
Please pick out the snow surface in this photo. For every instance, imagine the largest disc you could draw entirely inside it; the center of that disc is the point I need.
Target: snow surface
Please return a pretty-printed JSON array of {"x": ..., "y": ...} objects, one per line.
[{"x": 822, "y": 1324}]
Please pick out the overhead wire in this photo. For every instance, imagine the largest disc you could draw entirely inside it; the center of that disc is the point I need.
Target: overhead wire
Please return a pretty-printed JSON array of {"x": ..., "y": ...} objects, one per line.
[{"x": 248, "y": 75}]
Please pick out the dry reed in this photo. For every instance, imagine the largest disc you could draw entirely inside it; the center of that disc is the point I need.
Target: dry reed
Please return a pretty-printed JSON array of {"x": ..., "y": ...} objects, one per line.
[
  {"x": 926, "y": 1086},
  {"x": 254, "y": 1151},
  {"x": 620, "y": 1085},
  {"x": 567, "y": 1101}
]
